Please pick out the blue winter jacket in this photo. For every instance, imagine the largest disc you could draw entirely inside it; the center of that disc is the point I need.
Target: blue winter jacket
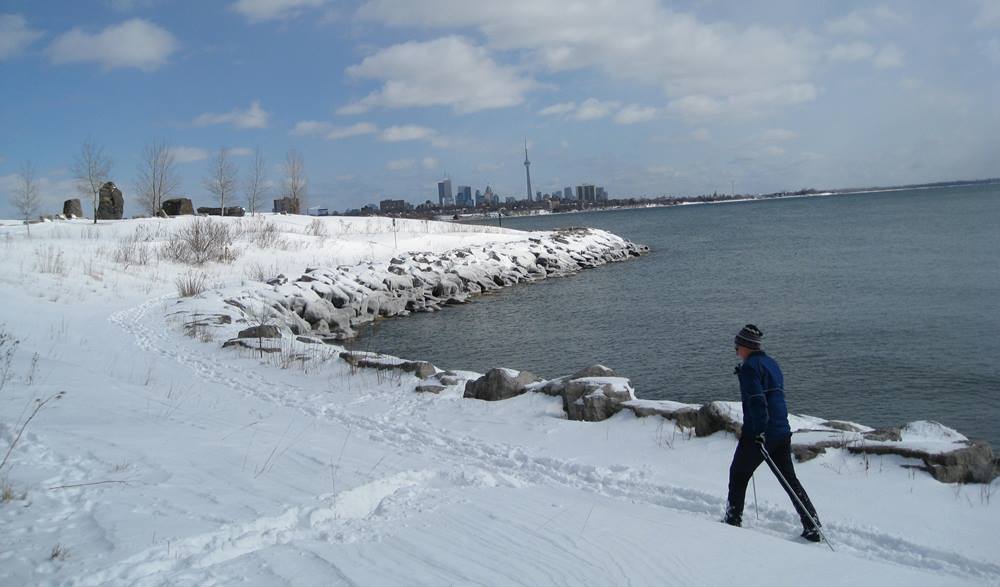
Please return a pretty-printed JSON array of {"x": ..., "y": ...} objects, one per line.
[{"x": 762, "y": 390}]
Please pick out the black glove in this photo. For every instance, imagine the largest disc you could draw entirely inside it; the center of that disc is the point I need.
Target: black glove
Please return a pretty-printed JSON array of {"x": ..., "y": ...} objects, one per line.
[
  {"x": 736, "y": 370},
  {"x": 759, "y": 439}
]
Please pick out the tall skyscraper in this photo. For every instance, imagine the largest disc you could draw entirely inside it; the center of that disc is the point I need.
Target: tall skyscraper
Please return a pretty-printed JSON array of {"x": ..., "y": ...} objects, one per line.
[
  {"x": 464, "y": 196},
  {"x": 567, "y": 193},
  {"x": 527, "y": 168},
  {"x": 444, "y": 193}
]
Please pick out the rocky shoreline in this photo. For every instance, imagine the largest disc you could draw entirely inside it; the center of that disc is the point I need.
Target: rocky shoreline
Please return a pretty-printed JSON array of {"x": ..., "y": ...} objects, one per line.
[{"x": 324, "y": 306}]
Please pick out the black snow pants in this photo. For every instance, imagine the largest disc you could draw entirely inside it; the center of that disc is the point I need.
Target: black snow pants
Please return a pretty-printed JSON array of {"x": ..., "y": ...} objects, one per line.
[{"x": 747, "y": 458}]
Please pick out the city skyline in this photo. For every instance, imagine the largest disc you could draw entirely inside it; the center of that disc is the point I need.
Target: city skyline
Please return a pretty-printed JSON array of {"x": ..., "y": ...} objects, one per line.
[{"x": 381, "y": 96}]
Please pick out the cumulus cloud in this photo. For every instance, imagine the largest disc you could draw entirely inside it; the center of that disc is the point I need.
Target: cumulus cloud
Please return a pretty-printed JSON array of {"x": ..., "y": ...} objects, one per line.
[
  {"x": 15, "y": 35},
  {"x": 778, "y": 135},
  {"x": 558, "y": 109},
  {"x": 450, "y": 71},
  {"x": 252, "y": 117},
  {"x": 592, "y": 108},
  {"x": 856, "y": 51},
  {"x": 189, "y": 154},
  {"x": 888, "y": 56},
  {"x": 311, "y": 127},
  {"x": 701, "y": 107},
  {"x": 407, "y": 132},
  {"x": 361, "y": 128},
  {"x": 264, "y": 10},
  {"x": 638, "y": 40},
  {"x": 634, "y": 113},
  {"x": 864, "y": 21},
  {"x": 988, "y": 15},
  {"x": 134, "y": 43},
  {"x": 240, "y": 151},
  {"x": 429, "y": 163},
  {"x": 991, "y": 49}
]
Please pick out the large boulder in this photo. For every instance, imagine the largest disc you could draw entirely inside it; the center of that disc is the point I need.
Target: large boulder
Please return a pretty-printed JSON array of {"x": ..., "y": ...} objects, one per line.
[
  {"x": 594, "y": 399},
  {"x": 178, "y": 207},
  {"x": 262, "y": 331},
  {"x": 236, "y": 211},
  {"x": 499, "y": 384},
  {"x": 72, "y": 208},
  {"x": 110, "y": 202}
]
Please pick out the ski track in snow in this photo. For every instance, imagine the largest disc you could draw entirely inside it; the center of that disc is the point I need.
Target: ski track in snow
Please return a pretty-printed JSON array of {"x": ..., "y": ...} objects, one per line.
[{"x": 355, "y": 508}]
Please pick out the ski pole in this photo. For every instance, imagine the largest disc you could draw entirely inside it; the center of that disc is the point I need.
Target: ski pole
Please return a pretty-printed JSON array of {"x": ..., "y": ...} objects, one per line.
[
  {"x": 791, "y": 492},
  {"x": 755, "y": 510}
]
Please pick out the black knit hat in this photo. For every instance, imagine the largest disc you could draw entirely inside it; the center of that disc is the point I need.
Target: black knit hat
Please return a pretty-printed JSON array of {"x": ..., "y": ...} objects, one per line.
[{"x": 749, "y": 337}]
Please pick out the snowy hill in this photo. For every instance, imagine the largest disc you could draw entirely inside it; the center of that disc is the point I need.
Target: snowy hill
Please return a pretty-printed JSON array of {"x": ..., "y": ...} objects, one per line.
[{"x": 171, "y": 460}]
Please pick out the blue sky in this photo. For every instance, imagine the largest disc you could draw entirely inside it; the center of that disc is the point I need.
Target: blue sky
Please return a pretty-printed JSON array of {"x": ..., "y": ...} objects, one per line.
[{"x": 383, "y": 97}]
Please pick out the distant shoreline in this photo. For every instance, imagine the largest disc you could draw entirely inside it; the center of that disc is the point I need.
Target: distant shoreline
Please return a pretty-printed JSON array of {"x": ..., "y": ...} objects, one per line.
[{"x": 472, "y": 218}]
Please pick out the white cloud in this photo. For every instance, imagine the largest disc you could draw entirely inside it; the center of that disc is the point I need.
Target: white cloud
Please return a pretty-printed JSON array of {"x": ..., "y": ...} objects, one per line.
[
  {"x": 189, "y": 154},
  {"x": 592, "y": 108},
  {"x": 774, "y": 151},
  {"x": 701, "y": 134},
  {"x": 252, "y": 117},
  {"x": 134, "y": 43},
  {"x": 412, "y": 132},
  {"x": 558, "y": 109},
  {"x": 52, "y": 192},
  {"x": 240, "y": 151},
  {"x": 263, "y": 10},
  {"x": 865, "y": 21},
  {"x": 988, "y": 15},
  {"x": 778, "y": 135},
  {"x": 888, "y": 56},
  {"x": 856, "y": 51},
  {"x": 400, "y": 164},
  {"x": 634, "y": 113},
  {"x": 361, "y": 128},
  {"x": 429, "y": 163},
  {"x": 311, "y": 127},
  {"x": 449, "y": 71},
  {"x": 15, "y": 35},
  {"x": 991, "y": 49},
  {"x": 639, "y": 40},
  {"x": 745, "y": 105}
]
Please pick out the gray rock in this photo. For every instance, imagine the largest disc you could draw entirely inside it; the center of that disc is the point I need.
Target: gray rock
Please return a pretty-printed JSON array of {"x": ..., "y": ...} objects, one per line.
[
  {"x": 263, "y": 331},
  {"x": 178, "y": 207},
  {"x": 499, "y": 384},
  {"x": 110, "y": 202},
  {"x": 236, "y": 211},
  {"x": 430, "y": 389},
  {"x": 594, "y": 371},
  {"x": 72, "y": 208},
  {"x": 241, "y": 343},
  {"x": 712, "y": 418}
]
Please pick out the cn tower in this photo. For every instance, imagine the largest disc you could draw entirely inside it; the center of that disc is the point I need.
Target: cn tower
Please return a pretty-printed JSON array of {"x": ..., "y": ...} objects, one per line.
[{"x": 527, "y": 170}]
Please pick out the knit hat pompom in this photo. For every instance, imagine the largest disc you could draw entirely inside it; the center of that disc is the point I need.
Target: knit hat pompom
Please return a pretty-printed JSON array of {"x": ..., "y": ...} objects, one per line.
[{"x": 749, "y": 337}]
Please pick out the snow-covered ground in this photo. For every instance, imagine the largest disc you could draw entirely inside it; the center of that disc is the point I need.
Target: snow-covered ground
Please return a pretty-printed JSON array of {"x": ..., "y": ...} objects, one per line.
[{"x": 172, "y": 461}]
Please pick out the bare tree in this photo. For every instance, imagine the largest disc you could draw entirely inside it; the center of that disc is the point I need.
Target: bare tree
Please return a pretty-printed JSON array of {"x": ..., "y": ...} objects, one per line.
[
  {"x": 221, "y": 179},
  {"x": 25, "y": 197},
  {"x": 256, "y": 186},
  {"x": 157, "y": 176},
  {"x": 295, "y": 181},
  {"x": 91, "y": 170}
]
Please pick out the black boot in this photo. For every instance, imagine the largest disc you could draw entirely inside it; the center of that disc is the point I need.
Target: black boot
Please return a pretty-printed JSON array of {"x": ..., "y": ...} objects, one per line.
[
  {"x": 733, "y": 517},
  {"x": 811, "y": 532}
]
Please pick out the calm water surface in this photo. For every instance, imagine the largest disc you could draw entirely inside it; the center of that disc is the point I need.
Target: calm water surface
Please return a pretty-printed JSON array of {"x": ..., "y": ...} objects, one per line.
[{"x": 881, "y": 308}]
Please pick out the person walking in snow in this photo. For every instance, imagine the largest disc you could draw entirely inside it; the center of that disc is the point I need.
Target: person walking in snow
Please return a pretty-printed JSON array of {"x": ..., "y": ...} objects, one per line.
[{"x": 765, "y": 426}]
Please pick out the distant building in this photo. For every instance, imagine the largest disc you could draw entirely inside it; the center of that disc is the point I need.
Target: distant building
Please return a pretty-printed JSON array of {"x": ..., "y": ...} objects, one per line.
[
  {"x": 538, "y": 196},
  {"x": 489, "y": 198},
  {"x": 586, "y": 193},
  {"x": 393, "y": 206},
  {"x": 479, "y": 198},
  {"x": 284, "y": 206},
  {"x": 444, "y": 193},
  {"x": 567, "y": 193},
  {"x": 319, "y": 211},
  {"x": 464, "y": 196},
  {"x": 602, "y": 196}
]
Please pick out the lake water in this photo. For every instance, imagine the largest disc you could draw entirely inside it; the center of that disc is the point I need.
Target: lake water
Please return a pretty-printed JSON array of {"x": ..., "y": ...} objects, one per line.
[{"x": 882, "y": 308}]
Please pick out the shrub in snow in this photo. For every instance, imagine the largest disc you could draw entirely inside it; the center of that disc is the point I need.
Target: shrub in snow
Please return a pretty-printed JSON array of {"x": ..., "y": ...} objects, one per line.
[
  {"x": 199, "y": 242},
  {"x": 190, "y": 284}
]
